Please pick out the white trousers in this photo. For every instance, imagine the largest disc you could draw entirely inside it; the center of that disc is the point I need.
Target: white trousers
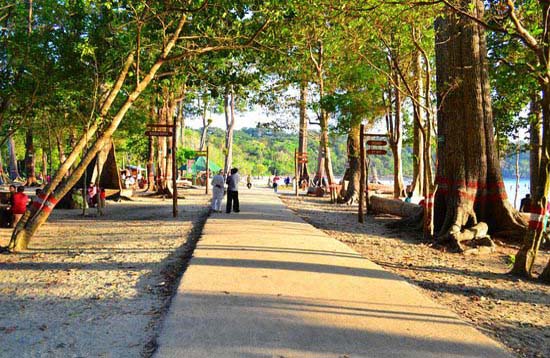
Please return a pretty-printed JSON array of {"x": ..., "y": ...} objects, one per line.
[{"x": 217, "y": 198}]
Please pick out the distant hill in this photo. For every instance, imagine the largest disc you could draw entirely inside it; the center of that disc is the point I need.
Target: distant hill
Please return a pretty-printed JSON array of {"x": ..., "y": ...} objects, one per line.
[{"x": 262, "y": 151}]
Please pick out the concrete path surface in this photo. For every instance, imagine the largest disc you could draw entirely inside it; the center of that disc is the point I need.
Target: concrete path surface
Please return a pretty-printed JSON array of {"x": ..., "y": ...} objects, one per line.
[{"x": 263, "y": 283}]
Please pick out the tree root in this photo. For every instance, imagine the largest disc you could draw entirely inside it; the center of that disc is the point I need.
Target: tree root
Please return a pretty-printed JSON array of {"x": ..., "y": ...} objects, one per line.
[
  {"x": 348, "y": 200},
  {"x": 458, "y": 239}
]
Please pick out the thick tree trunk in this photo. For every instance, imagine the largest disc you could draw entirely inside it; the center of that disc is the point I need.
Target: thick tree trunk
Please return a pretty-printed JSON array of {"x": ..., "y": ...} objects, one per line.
[
  {"x": 35, "y": 217},
  {"x": 354, "y": 159},
  {"x": 30, "y": 159},
  {"x": 302, "y": 133},
  {"x": 468, "y": 172}
]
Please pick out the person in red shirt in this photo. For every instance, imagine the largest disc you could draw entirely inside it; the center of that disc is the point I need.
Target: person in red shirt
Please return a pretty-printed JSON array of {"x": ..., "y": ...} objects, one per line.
[{"x": 20, "y": 201}]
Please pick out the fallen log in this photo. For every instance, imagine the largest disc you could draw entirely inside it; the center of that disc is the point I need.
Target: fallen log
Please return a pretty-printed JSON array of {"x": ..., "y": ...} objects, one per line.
[{"x": 396, "y": 207}]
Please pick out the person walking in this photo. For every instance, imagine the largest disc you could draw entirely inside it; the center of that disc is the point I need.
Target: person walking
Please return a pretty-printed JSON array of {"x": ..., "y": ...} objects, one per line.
[
  {"x": 249, "y": 181},
  {"x": 233, "y": 191},
  {"x": 217, "y": 192},
  {"x": 276, "y": 183}
]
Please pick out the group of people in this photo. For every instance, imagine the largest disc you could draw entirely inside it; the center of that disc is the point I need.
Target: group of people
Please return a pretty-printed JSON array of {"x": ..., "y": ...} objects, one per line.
[
  {"x": 131, "y": 181},
  {"x": 275, "y": 182},
  {"x": 218, "y": 184}
]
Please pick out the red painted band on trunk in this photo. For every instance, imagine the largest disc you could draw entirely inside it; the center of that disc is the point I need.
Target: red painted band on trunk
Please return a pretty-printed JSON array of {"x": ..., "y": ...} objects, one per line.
[
  {"x": 39, "y": 201},
  {"x": 535, "y": 225},
  {"x": 478, "y": 196},
  {"x": 537, "y": 210}
]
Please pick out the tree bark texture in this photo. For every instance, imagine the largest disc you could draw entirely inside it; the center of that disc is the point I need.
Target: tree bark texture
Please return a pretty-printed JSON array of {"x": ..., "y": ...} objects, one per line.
[
  {"x": 468, "y": 173},
  {"x": 396, "y": 142},
  {"x": 205, "y": 124},
  {"x": 229, "y": 109},
  {"x": 417, "y": 185},
  {"x": 354, "y": 160},
  {"x": 535, "y": 143},
  {"x": 30, "y": 159},
  {"x": 12, "y": 164},
  {"x": 302, "y": 133}
]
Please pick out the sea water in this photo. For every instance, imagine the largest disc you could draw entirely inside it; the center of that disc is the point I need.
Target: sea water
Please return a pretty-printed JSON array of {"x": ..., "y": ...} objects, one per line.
[
  {"x": 509, "y": 184},
  {"x": 523, "y": 188}
]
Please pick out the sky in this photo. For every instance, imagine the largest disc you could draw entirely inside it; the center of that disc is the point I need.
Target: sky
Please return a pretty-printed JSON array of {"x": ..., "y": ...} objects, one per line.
[{"x": 242, "y": 120}]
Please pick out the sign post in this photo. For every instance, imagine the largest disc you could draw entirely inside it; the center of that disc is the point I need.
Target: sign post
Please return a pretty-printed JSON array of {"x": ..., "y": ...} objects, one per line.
[
  {"x": 174, "y": 173},
  {"x": 362, "y": 179},
  {"x": 168, "y": 130},
  {"x": 207, "y": 169}
]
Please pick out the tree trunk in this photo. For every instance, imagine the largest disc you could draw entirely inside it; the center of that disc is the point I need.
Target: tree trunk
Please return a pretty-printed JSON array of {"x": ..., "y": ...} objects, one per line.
[
  {"x": 468, "y": 172},
  {"x": 13, "y": 167},
  {"x": 396, "y": 143},
  {"x": 527, "y": 254},
  {"x": 229, "y": 109},
  {"x": 354, "y": 159},
  {"x": 385, "y": 205},
  {"x": 525, "y": 258},
  {"x": 535, "y": 142},
  {"x": 35, "y": 217},
  {"x": 545, "y": 275},
  {"x": 4, "y": 179},
  {"x": 180, "y": 125},
  {"x": 44, "y": 165},
  {"x": 150, "y": 164},
  {"x": 324, "y": 162},
  {"x": 205, "y": 124},
  {"x": 417, "y": 185},
  {"x": 60, "y": 149},
  {"x": 302, "y": 134},
  {"x": 30, "y": 160}
]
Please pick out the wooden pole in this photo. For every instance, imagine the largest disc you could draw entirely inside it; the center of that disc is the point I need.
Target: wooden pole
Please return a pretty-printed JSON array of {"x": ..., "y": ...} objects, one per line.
[
  {"x": 207, "y": 169},
  {"x": 362, "y": 178},
  {"x": 367, "y": 200},
  {"x": 296, "y": 179},
  {"x": 174, "y": 173}
]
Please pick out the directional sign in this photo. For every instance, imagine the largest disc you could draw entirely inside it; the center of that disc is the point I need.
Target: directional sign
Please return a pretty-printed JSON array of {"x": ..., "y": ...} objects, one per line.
[
  {"x": 159, "y": 133},
  {"x": 376, "y": 151},
  {"x": 161, "y": 125},
  {"x": 377, "y": 142}
]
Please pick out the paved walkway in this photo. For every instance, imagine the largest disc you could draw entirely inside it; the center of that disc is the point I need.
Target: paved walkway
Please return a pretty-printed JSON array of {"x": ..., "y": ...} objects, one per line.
[{"x": 263, "y": 283}]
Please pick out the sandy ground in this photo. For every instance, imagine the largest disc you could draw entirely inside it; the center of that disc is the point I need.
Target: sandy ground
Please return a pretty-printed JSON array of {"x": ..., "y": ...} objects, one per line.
[
  {"x": 96, "y": 286},
  {"x": 515, "y": 312}
]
